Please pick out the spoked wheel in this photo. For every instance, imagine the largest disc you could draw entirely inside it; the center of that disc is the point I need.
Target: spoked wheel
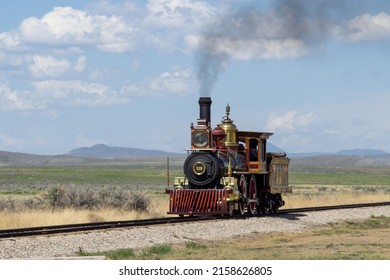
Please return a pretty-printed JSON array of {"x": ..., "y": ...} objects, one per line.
[
  {"x": 252, "y": 195},
  {"x": 242, "y": 203}
]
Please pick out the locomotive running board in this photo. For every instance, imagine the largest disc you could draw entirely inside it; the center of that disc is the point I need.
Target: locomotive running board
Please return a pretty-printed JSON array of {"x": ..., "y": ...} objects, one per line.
[{"x": 198, "y": 202}]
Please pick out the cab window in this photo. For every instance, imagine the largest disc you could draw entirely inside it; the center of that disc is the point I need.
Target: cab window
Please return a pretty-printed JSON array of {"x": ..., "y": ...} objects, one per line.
[{"x": 253, "y": 150}]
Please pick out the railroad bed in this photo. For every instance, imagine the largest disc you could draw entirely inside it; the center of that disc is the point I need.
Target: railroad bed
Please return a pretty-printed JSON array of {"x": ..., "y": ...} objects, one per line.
[{"x": 64, "y": 245}]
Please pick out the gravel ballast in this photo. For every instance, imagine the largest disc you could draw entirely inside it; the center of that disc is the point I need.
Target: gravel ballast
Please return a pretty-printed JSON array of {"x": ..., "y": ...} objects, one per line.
[{"x": 68, "y": 245}]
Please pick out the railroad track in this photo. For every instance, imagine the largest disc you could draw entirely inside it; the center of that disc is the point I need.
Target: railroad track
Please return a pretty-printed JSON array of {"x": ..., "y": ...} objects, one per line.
[
  {"x": 334, "y": 207},
  {"x": 46, "y": 230},
  {"x": 84, "y": 227}
]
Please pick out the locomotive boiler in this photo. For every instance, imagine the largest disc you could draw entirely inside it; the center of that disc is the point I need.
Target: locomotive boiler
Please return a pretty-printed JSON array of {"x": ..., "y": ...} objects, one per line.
[{"x": 228, "y": 170}]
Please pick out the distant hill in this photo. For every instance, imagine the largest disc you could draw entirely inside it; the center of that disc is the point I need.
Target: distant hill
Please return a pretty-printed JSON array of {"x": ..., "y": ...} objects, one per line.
[
  {"x": 340, "y": 161},
  {"x": 104, "y": 151},
  {"x": 353, "y": 152},
  {"x": 362, "y": 152},
  {"x": 354, "y": 157},
  {"x": 87, "y": 155},
  {"x": 101, "y": 153},
  {"x": 12, "y": 158}
]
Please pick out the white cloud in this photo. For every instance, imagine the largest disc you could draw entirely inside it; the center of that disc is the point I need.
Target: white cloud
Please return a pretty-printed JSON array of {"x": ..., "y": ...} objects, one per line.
[
  {"x": 9, "y": 40},
  {"x": 48, "y": 66},
  {"x": 17, "y": 100},
  {"x": 251, "y": 48},
  {"x": 179, "y": 13},
  {"x": 68, "y": 26},
  {"x": 365, "y": 28},
  {"x": 177, "y": 81},
  {"x": 252, "y": 34},
  {"x": 290, "y": 121},
  {"x": 112, "y": 8},
  {"x": 80, "y": 64},
  {"x": 49, "y": 94},
  {"x": 77, "y": 93}
]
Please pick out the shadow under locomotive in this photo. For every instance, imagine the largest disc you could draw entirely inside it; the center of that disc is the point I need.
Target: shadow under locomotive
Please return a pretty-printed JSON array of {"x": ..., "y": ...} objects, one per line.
[{"x": 228, "y": 170}]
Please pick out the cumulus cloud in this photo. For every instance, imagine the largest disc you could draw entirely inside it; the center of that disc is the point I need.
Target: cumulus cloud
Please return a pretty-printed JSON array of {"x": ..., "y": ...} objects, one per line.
[
  {"x": 9, "y": 40},
  {"x": 17, "y": 100},
  {"x": 179, "y": 13},
  {"x": 49, "y": 66},
  {"x": 43, "y": 66},
  {"x": 290, "y": 121},
  {"x": 251, "y": 48},
  {"x": 80, "y": 64},
  {"x": 366, "y": 28},
  {"x": 49, "y": 94},
  {"x": 176, "y": 81},
  {"x": 76, "y": 93},
  {"x": 69, "y": 26}
]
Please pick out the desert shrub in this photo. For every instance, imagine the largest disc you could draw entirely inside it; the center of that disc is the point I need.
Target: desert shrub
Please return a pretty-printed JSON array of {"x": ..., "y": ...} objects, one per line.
[
  {"x": 7, "y": 204},
  {"x": 58, "y": 198},
  {"x": 86, "y": 200},
  {"x": 33, "y": 203},
  {"x": 113, "y": 198},
  {"x": 139, "y": 201}
]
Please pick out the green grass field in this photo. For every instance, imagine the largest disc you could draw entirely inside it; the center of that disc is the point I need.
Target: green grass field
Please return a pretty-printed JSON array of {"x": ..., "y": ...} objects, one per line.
[
  {"x": 93, "y": 187},
  {"x": 366, "y": 240},
  {"x": 311, "y": 186}
]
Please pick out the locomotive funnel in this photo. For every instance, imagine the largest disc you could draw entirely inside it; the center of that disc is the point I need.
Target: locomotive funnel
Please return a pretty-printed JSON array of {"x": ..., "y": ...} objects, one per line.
[{"x": 205, "y": 109}]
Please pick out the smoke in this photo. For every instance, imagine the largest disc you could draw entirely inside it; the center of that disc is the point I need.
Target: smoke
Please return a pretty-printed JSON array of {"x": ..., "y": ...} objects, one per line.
[{"x": 289, "y": 29}]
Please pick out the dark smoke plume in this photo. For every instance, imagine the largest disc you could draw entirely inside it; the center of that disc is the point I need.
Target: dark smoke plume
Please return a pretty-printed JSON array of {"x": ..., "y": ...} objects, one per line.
[{"x": 290, "y": 29}]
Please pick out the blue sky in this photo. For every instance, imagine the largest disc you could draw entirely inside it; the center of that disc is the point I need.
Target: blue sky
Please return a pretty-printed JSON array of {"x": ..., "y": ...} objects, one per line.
[{"x": 129, "y": 73}]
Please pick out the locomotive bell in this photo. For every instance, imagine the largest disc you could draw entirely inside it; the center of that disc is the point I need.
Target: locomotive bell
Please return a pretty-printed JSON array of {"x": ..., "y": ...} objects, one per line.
[{"x": 230, "y": 129}]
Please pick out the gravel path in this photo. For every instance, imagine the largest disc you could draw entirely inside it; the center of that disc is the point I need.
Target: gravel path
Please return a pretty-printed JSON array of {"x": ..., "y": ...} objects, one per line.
[{"x": 69, "y": 245}]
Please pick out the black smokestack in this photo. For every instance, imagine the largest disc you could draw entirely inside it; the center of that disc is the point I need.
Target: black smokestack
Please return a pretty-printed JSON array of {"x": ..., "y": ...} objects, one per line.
[{"x": 205, "y": 109}]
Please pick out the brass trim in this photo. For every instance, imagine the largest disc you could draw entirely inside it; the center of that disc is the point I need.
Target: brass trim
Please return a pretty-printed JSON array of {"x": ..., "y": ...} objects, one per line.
[{"x": 199, "y": 168}]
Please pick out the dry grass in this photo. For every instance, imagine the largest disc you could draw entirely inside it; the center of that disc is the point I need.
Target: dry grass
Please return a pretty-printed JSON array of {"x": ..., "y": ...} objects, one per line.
[
  {"x": 345, "y": 240},
  {"x": 302, "y": 196},
  {"x": 317, "y": 195},
  {"x": 46, "y": 217},
  {"x": 363, "y": 240}
]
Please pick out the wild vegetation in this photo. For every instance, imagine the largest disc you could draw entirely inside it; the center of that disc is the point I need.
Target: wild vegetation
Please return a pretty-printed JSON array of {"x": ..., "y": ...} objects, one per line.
[
  {"x": 43, "y": 195},
  {"x": 366, "y": 240}
]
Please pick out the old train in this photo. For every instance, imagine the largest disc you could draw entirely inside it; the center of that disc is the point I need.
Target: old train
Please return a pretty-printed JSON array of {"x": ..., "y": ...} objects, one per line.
[{"x": 228, "y": 171}]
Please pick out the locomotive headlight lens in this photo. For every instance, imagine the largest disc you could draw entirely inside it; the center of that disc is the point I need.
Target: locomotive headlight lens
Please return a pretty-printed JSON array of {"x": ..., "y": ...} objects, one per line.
[
  {"x": 199, "y": 139},
  {"x": 199, "y": 168}
]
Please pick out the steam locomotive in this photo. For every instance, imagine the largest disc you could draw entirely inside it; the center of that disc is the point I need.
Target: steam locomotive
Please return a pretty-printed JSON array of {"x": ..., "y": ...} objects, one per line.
[{"x": 228, "y": 170}]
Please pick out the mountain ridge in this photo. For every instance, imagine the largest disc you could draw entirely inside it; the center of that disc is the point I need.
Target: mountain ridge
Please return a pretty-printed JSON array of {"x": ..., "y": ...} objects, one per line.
[
  {"x": 101, "y": 153},
  {"x": 105, "y": 151}
]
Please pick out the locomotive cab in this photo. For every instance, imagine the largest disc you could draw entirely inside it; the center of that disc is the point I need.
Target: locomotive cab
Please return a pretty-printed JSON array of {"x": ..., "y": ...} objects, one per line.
[{"x": 255, "y": 144}]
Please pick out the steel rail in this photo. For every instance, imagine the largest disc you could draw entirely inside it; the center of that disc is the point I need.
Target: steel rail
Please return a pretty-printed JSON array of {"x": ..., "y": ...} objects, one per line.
[
  {"x": 83, "y": 227},
  {"x": 334, "y": 207}
]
